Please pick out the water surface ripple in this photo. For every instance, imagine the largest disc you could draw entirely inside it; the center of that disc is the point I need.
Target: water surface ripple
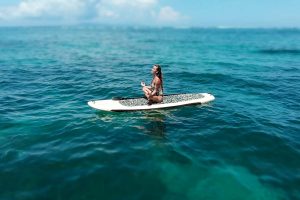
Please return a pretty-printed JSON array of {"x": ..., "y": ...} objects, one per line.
[{"x": 244, "y": 145}]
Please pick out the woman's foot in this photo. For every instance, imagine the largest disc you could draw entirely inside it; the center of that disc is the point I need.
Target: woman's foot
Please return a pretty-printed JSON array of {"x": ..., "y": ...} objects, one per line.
[{"x": 150, "y": 102}]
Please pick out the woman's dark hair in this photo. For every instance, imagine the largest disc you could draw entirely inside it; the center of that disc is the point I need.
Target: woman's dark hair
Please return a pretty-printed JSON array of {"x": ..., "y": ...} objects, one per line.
[{"x": 159, "y": 74}]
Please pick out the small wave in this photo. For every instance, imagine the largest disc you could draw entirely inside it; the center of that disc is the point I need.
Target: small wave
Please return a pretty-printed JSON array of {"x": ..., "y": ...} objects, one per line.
[
  {"x": 226, "y": 64},
  {"x": 280, "y": 51},
  {"x": 227, "y": 79}
]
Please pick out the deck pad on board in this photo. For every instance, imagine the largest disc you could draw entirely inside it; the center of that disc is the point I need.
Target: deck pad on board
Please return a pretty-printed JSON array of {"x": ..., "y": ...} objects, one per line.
[{"x": 174, "y": 98}]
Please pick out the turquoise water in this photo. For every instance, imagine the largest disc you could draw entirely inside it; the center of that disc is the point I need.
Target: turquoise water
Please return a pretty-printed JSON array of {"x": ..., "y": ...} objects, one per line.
[{"x": 244, "y": 145}]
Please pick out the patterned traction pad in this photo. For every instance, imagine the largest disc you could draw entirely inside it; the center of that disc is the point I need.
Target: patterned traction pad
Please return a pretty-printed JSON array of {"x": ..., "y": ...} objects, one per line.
[{"x": 167, "y": 99}]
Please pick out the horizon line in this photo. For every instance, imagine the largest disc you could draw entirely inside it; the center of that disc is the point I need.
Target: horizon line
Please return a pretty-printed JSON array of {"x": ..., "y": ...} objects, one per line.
[{"x": 146, "y": 26}]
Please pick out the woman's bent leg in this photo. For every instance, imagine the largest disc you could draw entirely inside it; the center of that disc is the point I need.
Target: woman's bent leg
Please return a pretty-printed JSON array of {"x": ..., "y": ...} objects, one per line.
[{"x": 157, "y": 99}]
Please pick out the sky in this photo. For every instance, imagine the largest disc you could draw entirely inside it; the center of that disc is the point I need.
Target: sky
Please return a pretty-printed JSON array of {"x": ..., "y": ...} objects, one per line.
[{"x": 174, "y": 13}]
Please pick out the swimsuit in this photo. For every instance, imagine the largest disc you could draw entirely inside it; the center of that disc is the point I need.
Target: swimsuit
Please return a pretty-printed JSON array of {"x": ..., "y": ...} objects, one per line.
[{"x": 159, "y": 92}]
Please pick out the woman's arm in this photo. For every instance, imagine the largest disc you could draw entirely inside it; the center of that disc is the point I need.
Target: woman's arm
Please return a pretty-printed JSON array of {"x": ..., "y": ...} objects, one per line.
[
  {"x": 153, "y": 92},
  {"x": 143, "y": 84}
]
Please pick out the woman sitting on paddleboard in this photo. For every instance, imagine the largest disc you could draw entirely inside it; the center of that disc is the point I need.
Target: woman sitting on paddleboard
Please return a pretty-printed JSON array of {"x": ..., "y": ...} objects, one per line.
[{"x": 154, "y": 93}]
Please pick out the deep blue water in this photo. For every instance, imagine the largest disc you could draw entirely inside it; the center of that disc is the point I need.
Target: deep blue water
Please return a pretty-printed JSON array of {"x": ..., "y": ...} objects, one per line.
[{"x": 244, "y": 145}]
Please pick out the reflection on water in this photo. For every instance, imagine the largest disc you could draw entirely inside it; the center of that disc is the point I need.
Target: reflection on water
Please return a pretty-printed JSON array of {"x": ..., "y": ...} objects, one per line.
[
  {"x": 149, "y": 122},
  {"x": 154, "y": 123}
]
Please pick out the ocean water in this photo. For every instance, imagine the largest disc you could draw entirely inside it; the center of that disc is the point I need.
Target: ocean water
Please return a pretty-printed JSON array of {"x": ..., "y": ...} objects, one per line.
[{"x": 244, "y": 145}]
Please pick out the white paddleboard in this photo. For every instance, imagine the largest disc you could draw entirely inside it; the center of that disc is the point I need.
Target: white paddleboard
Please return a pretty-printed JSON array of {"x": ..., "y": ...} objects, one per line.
[{"x": 141, "y": 103}]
